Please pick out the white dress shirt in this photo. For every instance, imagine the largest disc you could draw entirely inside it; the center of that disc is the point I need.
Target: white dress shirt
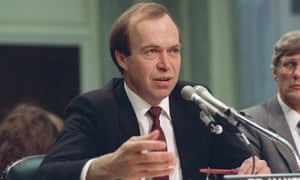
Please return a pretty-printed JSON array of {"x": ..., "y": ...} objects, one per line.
[
  {"x": 292, "y": 118},
  {"x": 145, "y": 122}
]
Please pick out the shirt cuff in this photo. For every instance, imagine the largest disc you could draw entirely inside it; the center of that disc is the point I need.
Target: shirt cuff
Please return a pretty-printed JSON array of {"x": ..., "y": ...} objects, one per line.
[{"x": 85, "y": 169}]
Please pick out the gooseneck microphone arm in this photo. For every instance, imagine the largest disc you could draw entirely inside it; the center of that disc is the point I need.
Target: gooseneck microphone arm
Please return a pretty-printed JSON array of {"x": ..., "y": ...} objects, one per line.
[
  {"x": 232, "y": 114},
  {"x": 269, "y": 134},
  {"x": 208, "y": 109}
]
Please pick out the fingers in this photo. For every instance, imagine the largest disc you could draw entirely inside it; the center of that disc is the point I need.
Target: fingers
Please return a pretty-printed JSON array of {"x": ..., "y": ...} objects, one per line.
[
  {"x": 132, "y": 165},
  {"x": 156, "y": 163},
  {"x": 259, "y": 167},
  {"x": 156, "y": 173},
  {"x": 139, "y": 157},
  {"x": 146, "y": 152},
  {"x": 161, "y": 158},
  {"x": 144, "y": 143},
  {"x": 151, "y": 136}
]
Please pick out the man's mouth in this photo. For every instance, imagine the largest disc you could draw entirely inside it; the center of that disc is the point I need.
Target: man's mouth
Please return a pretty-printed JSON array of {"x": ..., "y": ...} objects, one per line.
[{"x": 163, "y": 79}]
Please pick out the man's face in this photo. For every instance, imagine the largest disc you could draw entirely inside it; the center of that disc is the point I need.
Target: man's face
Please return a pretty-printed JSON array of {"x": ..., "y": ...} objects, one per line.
[
  {"x": 287, "y": 75},
  {"x": 152, "y": 69}
]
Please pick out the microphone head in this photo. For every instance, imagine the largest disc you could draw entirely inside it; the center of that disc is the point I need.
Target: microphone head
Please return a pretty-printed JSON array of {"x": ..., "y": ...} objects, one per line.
[
  {"x": 187, "y": 92},
  {"x": 200, "y": 89},
  {"x": 205, "y": 94}
]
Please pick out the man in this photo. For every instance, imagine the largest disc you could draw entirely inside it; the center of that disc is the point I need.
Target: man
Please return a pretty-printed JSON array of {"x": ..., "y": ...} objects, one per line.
[
  {"x": 281, "y": 113},
  {"x": 107, "y": 132}
]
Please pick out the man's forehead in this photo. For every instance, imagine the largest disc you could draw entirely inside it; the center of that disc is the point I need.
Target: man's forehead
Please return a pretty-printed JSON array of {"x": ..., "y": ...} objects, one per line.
[{"x": 294, "y": 56}]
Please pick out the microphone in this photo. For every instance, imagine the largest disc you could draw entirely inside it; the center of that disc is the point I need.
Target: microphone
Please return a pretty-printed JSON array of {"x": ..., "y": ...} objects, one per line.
[
  {"x": 209, "y": 121},
  {"x": 204, "y": 93},
  {"x": 188, "y": 93}
]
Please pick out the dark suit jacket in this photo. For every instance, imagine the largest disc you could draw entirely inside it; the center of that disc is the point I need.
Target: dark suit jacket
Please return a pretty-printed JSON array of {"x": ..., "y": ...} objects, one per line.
[
  {"x": 98, "y": 122},
  {"x": 270, "y": 116}
]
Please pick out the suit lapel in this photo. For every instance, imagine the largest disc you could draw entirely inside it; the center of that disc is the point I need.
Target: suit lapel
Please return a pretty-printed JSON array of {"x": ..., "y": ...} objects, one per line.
[
  {"x": 277, "y": 123},
  {"x": 127, "y": 118}
]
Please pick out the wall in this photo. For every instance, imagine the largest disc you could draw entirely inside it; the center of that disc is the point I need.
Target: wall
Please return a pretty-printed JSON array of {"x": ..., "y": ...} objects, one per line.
[
  {"x": 227, "y": 45},
  {"x": 58, "y": 23}
]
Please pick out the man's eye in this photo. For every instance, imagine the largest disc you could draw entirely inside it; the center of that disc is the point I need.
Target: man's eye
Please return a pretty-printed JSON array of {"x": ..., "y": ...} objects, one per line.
[
  {"x": 151, "y": 53},
  {"x": 176, "y": 51},
  {"x": 290, "y": 64}
]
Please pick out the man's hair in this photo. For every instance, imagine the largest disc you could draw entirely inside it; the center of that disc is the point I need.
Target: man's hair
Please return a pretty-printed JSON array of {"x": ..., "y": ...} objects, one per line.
[
  {"x": 25, "y": 130},
  {"x": 119, "y": 36},
  {"x": 287, "y": 45}
]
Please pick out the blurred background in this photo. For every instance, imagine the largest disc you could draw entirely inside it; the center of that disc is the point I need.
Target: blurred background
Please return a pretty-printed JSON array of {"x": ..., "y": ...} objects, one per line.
[{"x": 51, "y": 51}]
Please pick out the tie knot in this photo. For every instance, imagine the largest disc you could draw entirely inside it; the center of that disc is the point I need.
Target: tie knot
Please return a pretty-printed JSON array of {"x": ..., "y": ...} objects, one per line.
[{"x": 154, "y": 112}]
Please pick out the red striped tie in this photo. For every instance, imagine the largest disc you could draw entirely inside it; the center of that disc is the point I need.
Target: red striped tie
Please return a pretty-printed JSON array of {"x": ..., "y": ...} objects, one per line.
[{"x": 154, "y": 112}]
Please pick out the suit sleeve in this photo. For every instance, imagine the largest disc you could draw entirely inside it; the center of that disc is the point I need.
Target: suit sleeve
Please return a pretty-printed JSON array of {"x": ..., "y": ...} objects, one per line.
[{"x": 74, "y": 146}]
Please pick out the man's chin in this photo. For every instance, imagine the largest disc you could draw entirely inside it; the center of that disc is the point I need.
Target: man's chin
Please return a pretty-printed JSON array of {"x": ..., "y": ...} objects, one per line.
[{"x": 163, "y": 93}]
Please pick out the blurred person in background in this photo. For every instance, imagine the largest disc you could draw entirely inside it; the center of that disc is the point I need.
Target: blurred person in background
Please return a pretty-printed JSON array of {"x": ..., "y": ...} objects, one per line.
[
  {"x": 281, "y": 113},
  {"x": 27, "y": 130}
]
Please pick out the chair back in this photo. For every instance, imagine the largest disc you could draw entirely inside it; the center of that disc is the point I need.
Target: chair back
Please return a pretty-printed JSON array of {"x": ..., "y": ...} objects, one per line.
[{"x": 23, "y": 169}]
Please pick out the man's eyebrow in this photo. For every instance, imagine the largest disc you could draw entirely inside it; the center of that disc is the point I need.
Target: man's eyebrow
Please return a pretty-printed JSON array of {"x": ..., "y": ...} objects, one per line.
[
  {"x": 159, "y": 47},
  {"x": 177, "y": 46},
  {"x": 290, "y": 59},
  {"x": 151, "y": 46}
]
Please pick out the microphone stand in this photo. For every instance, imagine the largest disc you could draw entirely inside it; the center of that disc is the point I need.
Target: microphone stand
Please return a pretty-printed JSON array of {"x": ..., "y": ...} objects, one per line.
[{"x": 269, "y": 134}]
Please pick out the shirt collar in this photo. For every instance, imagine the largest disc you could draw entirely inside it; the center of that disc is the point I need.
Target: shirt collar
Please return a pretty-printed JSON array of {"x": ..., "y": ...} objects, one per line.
[
  {"x": 291, "y": 116},
  {"x": 140, "y": 105}
]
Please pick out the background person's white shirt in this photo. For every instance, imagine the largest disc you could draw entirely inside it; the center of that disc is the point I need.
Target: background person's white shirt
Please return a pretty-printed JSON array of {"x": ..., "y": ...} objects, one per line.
[{"x": 292, "y": 117}]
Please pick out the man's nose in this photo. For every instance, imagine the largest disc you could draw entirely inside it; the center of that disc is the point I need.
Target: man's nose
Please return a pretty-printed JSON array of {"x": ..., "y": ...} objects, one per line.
[
  {"x": 297, "y": 70},
  {"x": 164, "y": 62}
]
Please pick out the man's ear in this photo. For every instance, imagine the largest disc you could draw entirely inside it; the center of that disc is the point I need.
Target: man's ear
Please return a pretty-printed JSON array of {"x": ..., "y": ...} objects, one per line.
[
  {"x": 275, "y": 73},
  {"x": 121, "y": 59}
]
